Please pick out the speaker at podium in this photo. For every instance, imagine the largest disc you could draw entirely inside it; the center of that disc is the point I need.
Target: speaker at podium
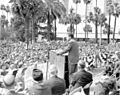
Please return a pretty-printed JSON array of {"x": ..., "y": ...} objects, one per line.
[{"x": 61, "y": 61}]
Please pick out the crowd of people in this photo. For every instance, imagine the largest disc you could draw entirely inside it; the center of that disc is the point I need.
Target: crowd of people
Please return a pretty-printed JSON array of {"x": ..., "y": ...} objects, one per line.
[{"x": 15, "y": 59}]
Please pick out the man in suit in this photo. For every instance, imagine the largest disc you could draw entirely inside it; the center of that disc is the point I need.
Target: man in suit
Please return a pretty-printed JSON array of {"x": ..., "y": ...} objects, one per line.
[
  {"x": 73, "y": 56},
  {"x": 57, "y": 84},
  {"x": 81, "y": 78}
]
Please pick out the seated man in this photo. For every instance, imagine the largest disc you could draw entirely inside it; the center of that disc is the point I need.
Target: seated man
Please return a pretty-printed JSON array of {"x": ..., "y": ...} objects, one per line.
[
  {"x": 57, "y": 84},
  {"x": 81, "y": 78},
  {"x": 36, "y": 85}
]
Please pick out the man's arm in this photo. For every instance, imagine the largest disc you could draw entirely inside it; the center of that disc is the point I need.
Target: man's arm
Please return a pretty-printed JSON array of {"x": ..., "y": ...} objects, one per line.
[
  {"x": 68, "y": 48},
  {"x": 75, "y": 90},
  {"x": 73, "y": 79}
]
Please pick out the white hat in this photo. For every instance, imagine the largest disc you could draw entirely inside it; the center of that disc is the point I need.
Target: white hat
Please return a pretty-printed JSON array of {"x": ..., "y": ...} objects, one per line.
[{"x": 9, "y": 80}]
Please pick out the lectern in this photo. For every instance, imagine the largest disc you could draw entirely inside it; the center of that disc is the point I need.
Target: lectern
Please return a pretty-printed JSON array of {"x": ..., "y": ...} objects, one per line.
[{"x": 61, "y": 61}]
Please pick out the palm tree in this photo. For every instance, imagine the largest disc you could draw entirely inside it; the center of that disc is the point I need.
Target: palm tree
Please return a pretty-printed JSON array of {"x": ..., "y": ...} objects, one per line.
[
  {"x": 2, "y": 24},
  {"x": 7, "y": 9},
  {"x": 2, "y": 7},
  {"x": 87, "y": 28},
  {"x": 37, "y": 10},
  {"x": 3, "y": 18},
  {"x": 12, "y": 23},
  {"x": 110, "y": 10},
  {"x": 76, "y": 2},
  {"x": 116, "y": 14},
  {"x": 72, "y": 19},
  {"x": 102, "y": 19},
  {"x": 22, "y": 10},
  {"x": 86, "y": 3},
  {"x": 96, "y": 28},
  {"x": 55, "y": 10},
  {"x": 30, "y": 11},
  {"x": 94, "y": 17}
]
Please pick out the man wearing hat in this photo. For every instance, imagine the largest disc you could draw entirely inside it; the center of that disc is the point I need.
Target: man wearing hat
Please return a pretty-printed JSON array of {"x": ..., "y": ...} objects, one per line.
[
  {"x": 36, "y": 85},
  {"x": 73, "y": 56},
  {"x": 81, "y": 78},
  {"x": 57, "y": 84}
]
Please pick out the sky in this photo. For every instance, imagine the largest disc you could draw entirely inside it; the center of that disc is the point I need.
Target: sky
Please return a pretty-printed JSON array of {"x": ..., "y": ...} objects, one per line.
[{"x": 4, "y": 1}]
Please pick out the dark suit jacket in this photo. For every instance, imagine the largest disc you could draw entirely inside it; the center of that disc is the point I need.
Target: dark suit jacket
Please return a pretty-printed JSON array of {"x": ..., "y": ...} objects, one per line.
[
  {"x": 81, "y": 78},
  {"x": 57, "y": 85},
  {"x": 73, "y": 50}
]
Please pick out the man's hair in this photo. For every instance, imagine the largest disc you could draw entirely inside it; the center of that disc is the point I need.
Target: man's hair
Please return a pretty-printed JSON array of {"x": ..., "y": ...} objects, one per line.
[
  {"x": 81, "y": 64},
  {"x": 71, "y": 35}
]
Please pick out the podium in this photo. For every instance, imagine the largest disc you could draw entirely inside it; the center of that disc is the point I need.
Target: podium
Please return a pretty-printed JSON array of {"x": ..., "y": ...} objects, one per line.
[{"x": 61, "y": 61}]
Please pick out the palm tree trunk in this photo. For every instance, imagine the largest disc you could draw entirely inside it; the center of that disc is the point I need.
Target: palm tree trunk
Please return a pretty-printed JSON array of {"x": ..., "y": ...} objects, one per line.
[
  {"x": 85, "y": 22},
  {"x": 31, "y": 30},
  {"x": 109, "y": 28},
  {"x": 96, "y": 29},
  {"x": 100, "y": 35},
  {"x": 55, "y": 29},
  {"x": 49, "y": 27},
  {"x": 7, "y": 19},
  {"x": 0, "y": 28},
  {"x": 96, "y": 32},
  {"x": 76, "y": 24},
  {"x": 114, "y": 28},
  {"x": 33, "y": 34},
  {"x": 27, "y": 32}
]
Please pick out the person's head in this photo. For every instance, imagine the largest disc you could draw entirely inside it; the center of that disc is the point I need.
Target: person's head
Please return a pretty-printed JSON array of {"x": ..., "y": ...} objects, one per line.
[
  {"x": 64, "y": 39},
  {"x": 12, "y": 66},
  {"x": 37, "y": 75},
  {"x": 117, "y": 54},
  {"x": 4, "y": 67},
  {"x": 70, "y": 36},
  {"x": 53, "y": 71},
  {"x": 9, "y": 79},
  {"x": 110, "y": 83},
  {"x": 81, "y": 65}
]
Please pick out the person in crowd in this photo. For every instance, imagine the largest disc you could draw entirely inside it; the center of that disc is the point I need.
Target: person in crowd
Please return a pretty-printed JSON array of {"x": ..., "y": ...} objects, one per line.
[
  {"x": 36, "y": 85},
  {"x": 57, "y": 84},
  {"x": 73, "y": 56},
  {"x": 8, "y": 83},
  {"x": 81, "y": 78},
  {"x": 20, "y": 79},
  {"x": 90, "y": 62},
  {"x": 116, "y": 73},
  {"x": 104, "y": 86},
  {"x": 4, "y": 69},
  {"x": 109, "y": 68}
]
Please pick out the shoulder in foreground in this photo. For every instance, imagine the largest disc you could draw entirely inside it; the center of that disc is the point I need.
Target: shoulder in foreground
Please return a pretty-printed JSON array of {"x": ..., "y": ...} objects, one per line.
[{"x": 89, "y": 72}]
